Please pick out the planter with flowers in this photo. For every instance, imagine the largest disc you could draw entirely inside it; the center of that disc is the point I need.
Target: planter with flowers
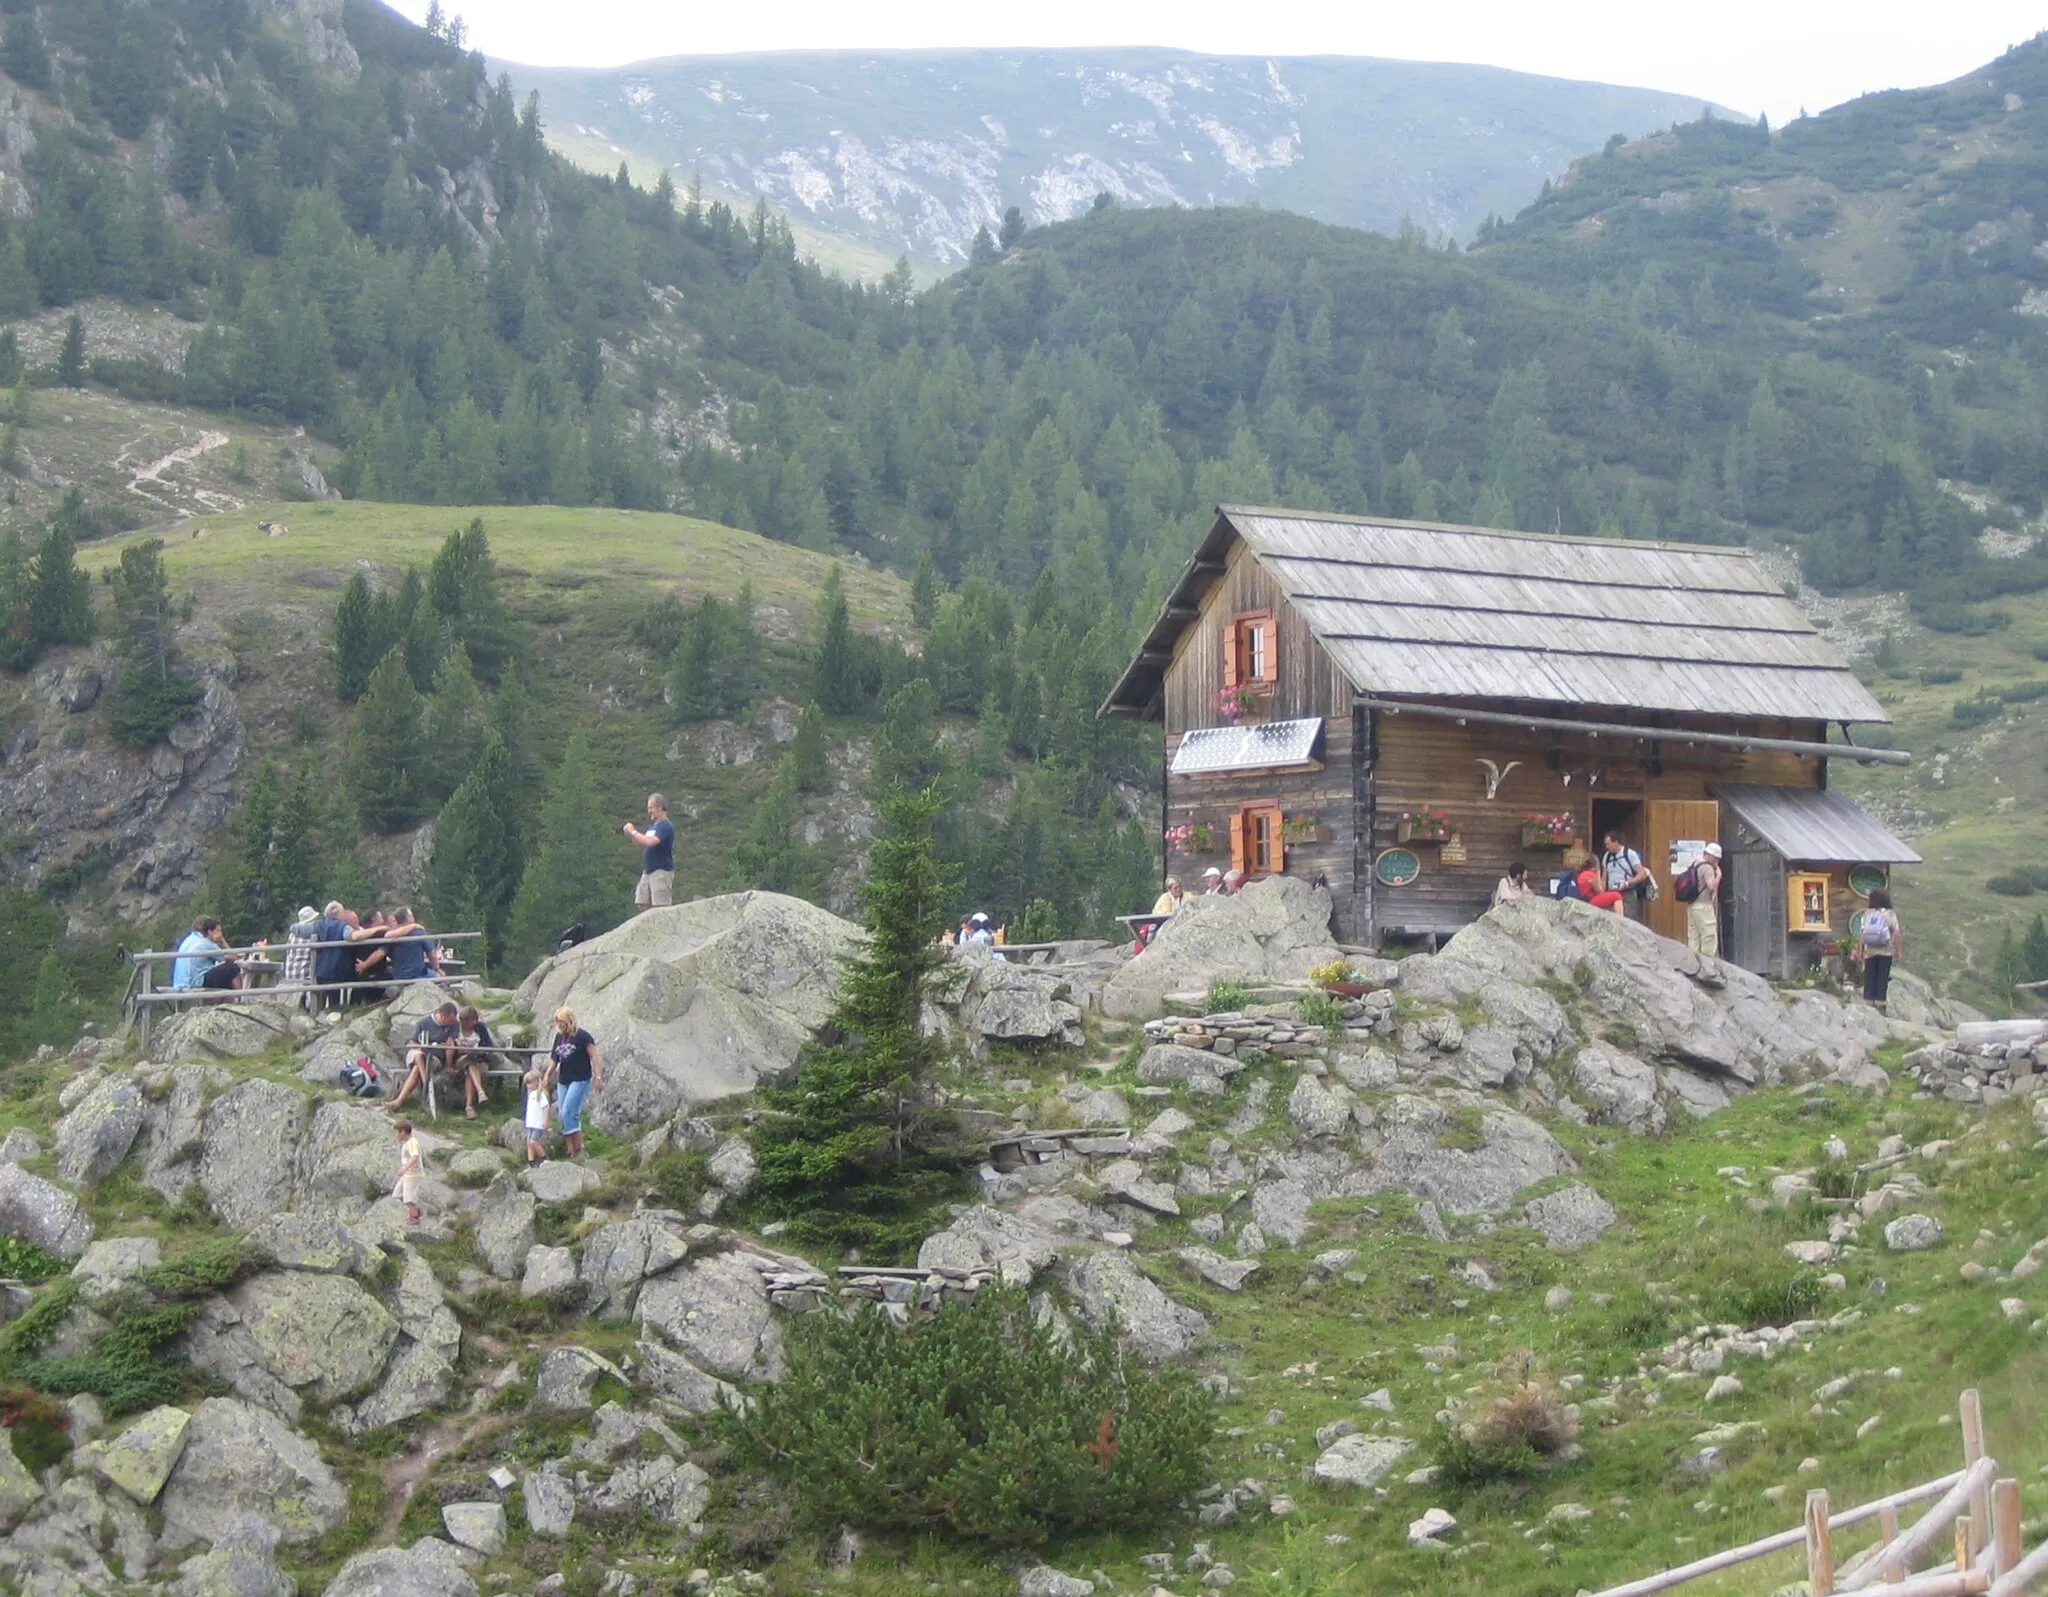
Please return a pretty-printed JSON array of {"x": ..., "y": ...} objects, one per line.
[
  {"x": 1549, "y": 831},
  {"x": 1339, "y": 980},
  {"x": 1244, "y": 701},
  {"x": 1422, "y": 826},
  {"x": 1303, "y": 827},
  {"x": 1191, "y": 839}
]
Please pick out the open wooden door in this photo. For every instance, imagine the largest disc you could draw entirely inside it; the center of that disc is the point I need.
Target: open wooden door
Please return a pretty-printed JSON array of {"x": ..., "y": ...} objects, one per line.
[{"x": 1668, "y": 824}]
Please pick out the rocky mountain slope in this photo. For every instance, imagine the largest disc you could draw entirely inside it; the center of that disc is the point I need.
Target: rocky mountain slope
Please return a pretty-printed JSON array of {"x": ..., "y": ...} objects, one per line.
[
  {"x": 1716, "y": 1228},
  {"x": 911, "y": 151}
]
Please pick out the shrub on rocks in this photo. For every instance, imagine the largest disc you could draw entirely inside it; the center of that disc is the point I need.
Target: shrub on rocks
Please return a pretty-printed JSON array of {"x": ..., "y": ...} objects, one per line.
[
  {"x": 1511, "y": 1437},
  {"x": 983, "y": 1420}
]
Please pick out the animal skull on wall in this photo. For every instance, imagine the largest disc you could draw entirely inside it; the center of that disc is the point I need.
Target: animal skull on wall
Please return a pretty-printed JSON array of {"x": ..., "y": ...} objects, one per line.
[{"x": 1496, "y": 774}]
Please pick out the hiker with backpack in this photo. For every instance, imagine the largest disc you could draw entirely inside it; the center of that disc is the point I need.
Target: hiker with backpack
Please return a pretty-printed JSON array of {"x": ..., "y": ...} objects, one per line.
[
  {"x": 1622, "y": 871},
  {"x": 1878, "y": 939},
  {"x": 1698, "y": 888}
]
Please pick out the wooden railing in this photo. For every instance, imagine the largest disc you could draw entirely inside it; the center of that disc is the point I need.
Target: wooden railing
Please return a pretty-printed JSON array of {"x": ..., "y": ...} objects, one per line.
[{"x": 1987, "y": 1561}]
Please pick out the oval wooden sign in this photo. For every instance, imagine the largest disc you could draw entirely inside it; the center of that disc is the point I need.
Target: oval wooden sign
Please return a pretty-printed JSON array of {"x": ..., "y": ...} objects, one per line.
[
  {"x": 1864, "y": 879},
  {"x": 1397, "y": 867}
]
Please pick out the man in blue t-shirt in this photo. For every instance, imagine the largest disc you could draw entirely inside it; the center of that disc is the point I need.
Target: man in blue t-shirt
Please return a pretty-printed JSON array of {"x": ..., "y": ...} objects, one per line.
[
  {"x": 657, "y": 847},
  {"x": 411, "y": 946},
  {"x": 334, "y": 964}
]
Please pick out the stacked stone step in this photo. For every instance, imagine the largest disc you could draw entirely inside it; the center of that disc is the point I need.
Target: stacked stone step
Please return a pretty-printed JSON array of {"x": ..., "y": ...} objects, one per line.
[
  {"x": 1280, "y": 1034},
  {"x": 904, "y": 1290},
  {"x": 1987, "y": 1073}
]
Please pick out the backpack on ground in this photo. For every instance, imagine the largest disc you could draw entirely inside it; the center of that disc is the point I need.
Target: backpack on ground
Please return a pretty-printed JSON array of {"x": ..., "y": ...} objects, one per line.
[
  {"x": 571, "y": 936},
  {"x": 1685, "y": 886},
  {"x": 361, "y": 1079}
]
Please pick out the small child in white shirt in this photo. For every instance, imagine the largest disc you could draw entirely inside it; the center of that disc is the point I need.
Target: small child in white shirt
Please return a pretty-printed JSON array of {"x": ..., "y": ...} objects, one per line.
[{"x": 539, "y": 1104}]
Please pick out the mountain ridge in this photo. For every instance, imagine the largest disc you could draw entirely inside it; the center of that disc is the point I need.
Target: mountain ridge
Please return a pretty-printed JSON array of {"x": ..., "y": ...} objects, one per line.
[{"x": 1360, "y": 141}]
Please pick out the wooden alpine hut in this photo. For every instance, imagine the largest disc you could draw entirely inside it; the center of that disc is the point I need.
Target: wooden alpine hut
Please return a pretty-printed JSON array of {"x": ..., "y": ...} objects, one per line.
[{"x": 1400, "y": 709}]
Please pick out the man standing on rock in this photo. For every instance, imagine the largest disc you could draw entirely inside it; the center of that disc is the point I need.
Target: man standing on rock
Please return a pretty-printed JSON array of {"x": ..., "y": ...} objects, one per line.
[
  {"x": 657, "y": 847},
  {"x": 1703, "y": 914}
]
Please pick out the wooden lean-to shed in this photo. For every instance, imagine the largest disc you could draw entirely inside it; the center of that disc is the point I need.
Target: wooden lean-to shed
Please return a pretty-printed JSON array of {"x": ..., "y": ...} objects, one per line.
[{"x": 1400, "y": 709}]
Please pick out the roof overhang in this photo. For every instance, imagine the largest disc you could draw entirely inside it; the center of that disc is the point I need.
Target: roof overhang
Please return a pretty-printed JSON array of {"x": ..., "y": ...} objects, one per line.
[
  {"x": 1814, "y": 825},
  {"x": 1139, "y": 692}
]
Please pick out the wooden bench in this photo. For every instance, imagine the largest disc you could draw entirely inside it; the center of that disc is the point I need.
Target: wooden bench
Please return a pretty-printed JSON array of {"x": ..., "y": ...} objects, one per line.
[{"x": 1025, "y": 953}]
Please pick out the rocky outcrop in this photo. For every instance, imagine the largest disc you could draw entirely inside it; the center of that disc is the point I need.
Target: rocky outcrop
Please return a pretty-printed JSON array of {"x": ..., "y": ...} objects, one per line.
[
  {"x": 98, "y": 1132},
  {"x": 1020, "y": 1004},
  {"x": 39, "y": 1212},
  {"x": 241, "y": 1462},
  {"x": 248, "y": 1155},
  {"x": 1418, "y": 1147},
  {"x": 716, "y": 1314},
  {"x": 428, "y": 1568},
  {"x": 1654, "y": 998},
  {"x": 1277, "y": 929},
  {"x": 697, "y": 1002},
  {"x": 1111, "y": 1290}
]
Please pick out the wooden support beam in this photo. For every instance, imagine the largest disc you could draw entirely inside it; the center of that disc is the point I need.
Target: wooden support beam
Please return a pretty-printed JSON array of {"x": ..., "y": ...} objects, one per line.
[
  {"x": 1820, "y": 1545},
  {"x": 2023, "y": 1574},
  {"x": 1888, "y": 1532},
  {"x": 1928, "y": 1528},
  {"x": 1972, "y": 1406},
  {"x": 2005, "y": 1526}
]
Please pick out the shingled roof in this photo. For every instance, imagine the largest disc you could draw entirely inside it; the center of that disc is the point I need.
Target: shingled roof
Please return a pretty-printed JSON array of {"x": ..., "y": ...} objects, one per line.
[{"x": 1417, "y": 610}]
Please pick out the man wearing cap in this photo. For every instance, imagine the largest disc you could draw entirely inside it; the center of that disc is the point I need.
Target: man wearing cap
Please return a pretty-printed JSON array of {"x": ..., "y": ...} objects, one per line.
[
  {"x": 978, "y": 932},
  {"x": 1703, "y": 914},
  {"x": 1212, "y": 881}
]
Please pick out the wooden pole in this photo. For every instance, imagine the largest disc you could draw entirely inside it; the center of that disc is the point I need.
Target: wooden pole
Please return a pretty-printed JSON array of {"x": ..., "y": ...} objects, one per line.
[
  {"x": 1930, "y": 1525},
  {"x": 2005, "y": 1526},
  {"x": 1964, "y": 1531},
  {"x": 1973, "y": 1452},
  {"x": 143, "y": 1005},
  {"x": 2023, "y": 1574},
  {"x": 1820, "y": 1545},
  {"x": 1888, "y": 1531}
]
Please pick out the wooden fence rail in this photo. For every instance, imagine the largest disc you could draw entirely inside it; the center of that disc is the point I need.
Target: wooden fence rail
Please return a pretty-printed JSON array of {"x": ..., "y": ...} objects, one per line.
[{"x": 1975, "y": 1508}]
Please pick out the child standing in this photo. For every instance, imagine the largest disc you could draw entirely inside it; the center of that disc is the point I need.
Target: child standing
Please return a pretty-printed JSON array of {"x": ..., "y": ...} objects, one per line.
[
  {"x": 410, "y": 1163},
  {"x": 537, "y": 1107}
]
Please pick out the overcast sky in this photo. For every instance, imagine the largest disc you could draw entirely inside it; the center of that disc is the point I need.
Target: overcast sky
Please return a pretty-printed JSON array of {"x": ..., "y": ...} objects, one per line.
[{"x": 1755, "y": 55}]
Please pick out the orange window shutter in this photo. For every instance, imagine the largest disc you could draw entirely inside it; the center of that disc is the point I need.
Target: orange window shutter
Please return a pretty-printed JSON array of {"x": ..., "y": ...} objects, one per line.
[
  {"x": 1269, "y": 652},
  {"x": 1230, "y": 655},
  {"x": 1237, "y": 841}
]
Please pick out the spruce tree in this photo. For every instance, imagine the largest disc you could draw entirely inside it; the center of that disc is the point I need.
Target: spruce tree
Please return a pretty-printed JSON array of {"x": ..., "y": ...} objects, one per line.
[
  {"x": 458, "y": 721},
  {"x": 847, "y": 1152},
  {"x": 808, "y": 751},
  {"x": 71, "y": 356},
  {"x": 356, "y": 641},
  {"x": 773, "y": 856},
  {"x": 152, "y": 697},
  {"x": 924, "y": 592},
  {"x": 908, "y": 754},
  {"x": 1013, "y": 230},
  {"x": 462, "y": 588},
  {"x": 474, "y": 871},
  {"x": 385, "y": 749},
  {"x": 835, "y": 671},
  {"x": 60, "y": 595},
  {"x": 570, "y": 873},
  {"x": 712, "y": 672}
]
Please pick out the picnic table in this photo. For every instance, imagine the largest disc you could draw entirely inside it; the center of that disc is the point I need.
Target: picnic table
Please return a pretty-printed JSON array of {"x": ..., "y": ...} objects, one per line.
[
  {"x": 516, "y": 1063},
  {"x": 1025, "y": 953},
  {"x": 1143, "y": 926}
]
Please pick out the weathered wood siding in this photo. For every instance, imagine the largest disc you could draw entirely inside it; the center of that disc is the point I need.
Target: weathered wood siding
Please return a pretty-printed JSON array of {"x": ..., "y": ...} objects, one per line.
[
  {"x": 1429, "y": 763},
  {"x": 1309, "y": 682},
  {"x": 1324, "y": 794}
]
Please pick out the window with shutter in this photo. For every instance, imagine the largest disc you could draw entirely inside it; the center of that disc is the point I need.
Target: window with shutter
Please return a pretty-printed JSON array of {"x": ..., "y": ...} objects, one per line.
[
  {"x": 1264, "y": 848},
  {"x": 1249, "y": 654}
]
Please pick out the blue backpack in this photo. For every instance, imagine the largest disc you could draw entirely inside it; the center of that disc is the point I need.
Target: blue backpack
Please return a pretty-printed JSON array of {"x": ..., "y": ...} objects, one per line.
[{"x": 1566, "y": 886}]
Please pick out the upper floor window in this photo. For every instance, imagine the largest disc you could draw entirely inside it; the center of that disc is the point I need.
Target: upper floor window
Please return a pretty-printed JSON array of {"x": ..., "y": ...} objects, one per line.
[{"x": 1249, "y": 653}]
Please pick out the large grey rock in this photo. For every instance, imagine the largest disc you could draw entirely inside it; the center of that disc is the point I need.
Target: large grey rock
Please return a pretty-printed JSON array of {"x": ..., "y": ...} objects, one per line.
[
  {"x": 38, "y": 1211},
  {"x": 302, "y": 1241},
  {"x": 141, "y": 1458},
  {"x": 1125, "y": 1178},
  {"x": 1618, "y": 1088},
  {"x": 1412, "y": 1151},
  {"x": 105, "y": 1266},
  {"x": 716, "y": 1314},
  {"x": 504, "y": 1228},
  {"x": 244, "y": 1569},
  {"x": 618, "y": 1257},
  {"x": 1280, "y": 1208},
  {"x": 1169, "y": 1062},
  {"x": 218, "y": 1031},
  {"x": 1912, "y": 1233},
  {"x": 678, "y": 1383},
  {"x": 550, "y": 1272},
  {"x": 668, "y": 1492},
  {"x": 1006, "y": 1003},
  {"x": 19, "y": 1490},
  {"x": 249, "y": 1154},
  {"x": 19, "y": 1146},
  {"x": 422, "y": 1309},
  {"x": 550, "y": 1503},
  {"x": 1277, "y": 929},
  {"x": 1112, "y": 1291},
  {"x": 428, "y": 1568},
  {"x": 173, "y": 1131},
  {"x": 568, "y": 1375},
  {"x": 477, "y": 1526},
  {"x": 1211, "y": 1266},
  {"x": 95, "y": 1136},
  {"x": 1703, "y": 1015},
  {"x": 1359, "y": 1460},
  {"x": 350, "y": 1159},
  {"x": 732, "y": 1168},
  {"x": 323, "y": 1333},
  {"x": 241, "y": 1461},
  {"x": 418, "y": 1379},
  {"x": 1570, "y": 1217},
  {"x": 705, "y": 999},
  {"x": 561, "y": 1181},
  {"x": 1316, "y": 1110},
  {"x": 1043, "y": 1580}
]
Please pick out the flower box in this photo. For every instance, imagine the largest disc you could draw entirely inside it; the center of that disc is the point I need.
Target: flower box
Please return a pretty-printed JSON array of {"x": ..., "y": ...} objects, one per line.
[
  {"x": 1246, "y": 701},
  {"x": 1422, "y": 826}
]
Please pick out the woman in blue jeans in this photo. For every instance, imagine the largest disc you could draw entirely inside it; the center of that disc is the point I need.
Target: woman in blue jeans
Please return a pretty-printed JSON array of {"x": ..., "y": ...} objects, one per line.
[{"x": 578, "y": 1072}]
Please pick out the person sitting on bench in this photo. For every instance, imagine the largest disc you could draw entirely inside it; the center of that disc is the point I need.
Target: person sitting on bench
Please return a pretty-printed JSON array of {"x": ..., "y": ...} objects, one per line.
[
  {"x": 472, "y": 1033},
  {"x": 198, "y": 967},
  {"x": 434, "y": 1035}
]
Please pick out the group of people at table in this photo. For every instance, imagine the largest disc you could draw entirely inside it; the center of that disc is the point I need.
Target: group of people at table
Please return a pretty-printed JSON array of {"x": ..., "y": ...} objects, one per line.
[{"x": 350, "y": 954}]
